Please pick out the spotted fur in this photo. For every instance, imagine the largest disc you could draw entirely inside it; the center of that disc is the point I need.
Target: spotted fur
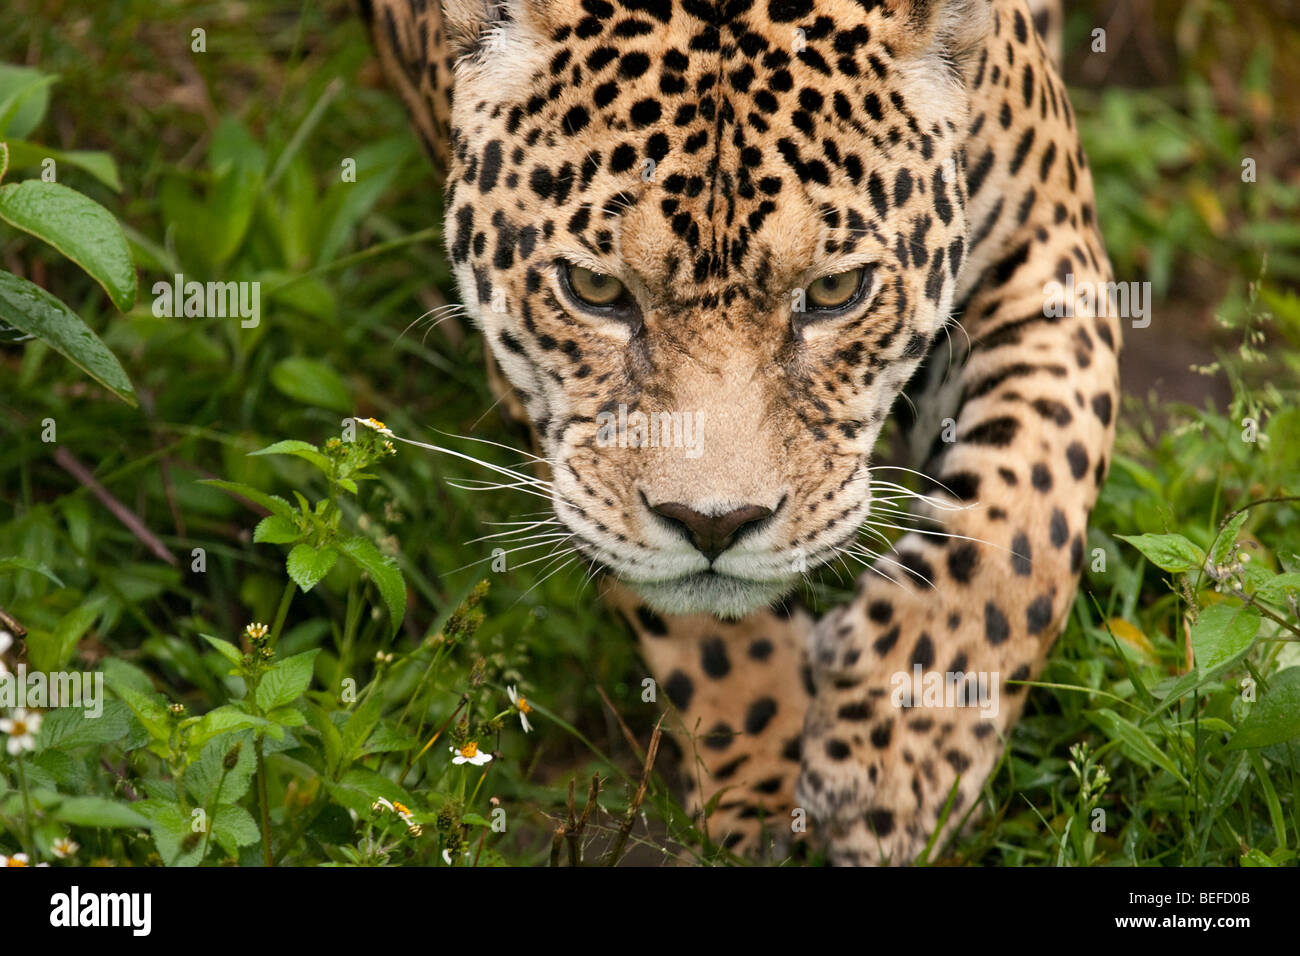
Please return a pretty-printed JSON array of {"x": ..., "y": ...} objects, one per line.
[{"x": 717, "y": 157}]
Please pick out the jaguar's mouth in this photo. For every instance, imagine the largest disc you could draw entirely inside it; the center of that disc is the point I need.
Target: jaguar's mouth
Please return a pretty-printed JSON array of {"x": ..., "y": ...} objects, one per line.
[{"x": 712, "y": 592}]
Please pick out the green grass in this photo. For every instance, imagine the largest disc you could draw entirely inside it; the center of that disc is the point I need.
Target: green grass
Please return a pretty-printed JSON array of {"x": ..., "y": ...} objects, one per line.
[{"x": 230, "y": 163}]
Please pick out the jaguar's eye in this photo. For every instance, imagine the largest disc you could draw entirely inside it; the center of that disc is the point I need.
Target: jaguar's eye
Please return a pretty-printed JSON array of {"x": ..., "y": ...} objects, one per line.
[
  {"x": 836, "y": 291},
  {"x": 593, "y": 288}
]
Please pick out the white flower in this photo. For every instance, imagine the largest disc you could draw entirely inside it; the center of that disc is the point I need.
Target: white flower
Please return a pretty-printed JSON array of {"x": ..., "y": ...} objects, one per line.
[
  {"x": 18, "y": 859},
  {"x": 470, "y": 754},
  {"x": 521, "y": 703},
  {"x": 375, "y": 424},
  {"x": 21, "y": 728},
  {"x": 6, "y": 642},
  {"x": 64, "y": 847}
]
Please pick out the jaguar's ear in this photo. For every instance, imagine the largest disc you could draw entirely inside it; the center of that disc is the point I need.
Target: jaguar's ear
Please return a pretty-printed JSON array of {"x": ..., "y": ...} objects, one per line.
[
  {"x": 466, "y": 22},
  {"x": 471, "y": 23},
  {"x": 951, "y": 28}
]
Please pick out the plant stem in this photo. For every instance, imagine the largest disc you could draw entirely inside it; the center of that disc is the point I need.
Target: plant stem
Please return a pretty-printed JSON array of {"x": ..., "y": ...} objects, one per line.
[
  {"x": 629, "y": 818},
  {"x": 28, "y": 844},
  {"x": 281, "y": 613},
  {"x": 351, "y": 617},
  {"x": 265, "y": 803},
  {"x": 212, "y": 801},
  {"x": 1250, "y": 599},
  {"x": 438, "y": 733}
]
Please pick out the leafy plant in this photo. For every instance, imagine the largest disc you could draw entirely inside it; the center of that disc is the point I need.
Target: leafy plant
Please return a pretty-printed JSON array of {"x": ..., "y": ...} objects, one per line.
[{"x": 72, "y": 223}]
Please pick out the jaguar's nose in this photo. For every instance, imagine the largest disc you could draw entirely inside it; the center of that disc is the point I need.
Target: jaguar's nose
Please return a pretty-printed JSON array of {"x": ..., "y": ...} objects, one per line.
[{"x": 712, "y": 534}]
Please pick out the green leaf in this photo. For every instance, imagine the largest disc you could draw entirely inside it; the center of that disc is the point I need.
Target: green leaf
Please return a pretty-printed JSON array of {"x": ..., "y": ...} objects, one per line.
[
  {"x": 299, "y": 449},
  {"x": 386, "y": 739},
  {"x": 307, "y": 565},
  {"x": 22, "y": 564},
  {"x": 1221, "y": 633},
  {"x": 25, "y": 155},
  {"x": 149, "y": 710},
  {"x": 1227, "y": 538},
  {"x": 203, "y": 775},
  {"x": 346, "y": 204},
  {"x": 1274, "y": 590},
  {"x": 1256, "y": 857},
  {"x": 287, "y": 716},
  {"x": 238, "y": 165},
  {"x": 1172, "y": 552},
  {"x": 1275, "y": 718},
  {"x": 119, "y": 673},
  {"x": 98, "y": 812},
  {"x": 172, "y": 831},
  {"x": 69, "y": 727},
  {"x": 272, "y": 503},
  {"x": 1275, "y": 813},
  {"x": 226, "y": 649},
  {"x": 331, "y": 739},
  {"x": 29, "y": 308},
  {"x": 51, "y": 650},
  {"x": 276, "y": 529},
  {"x": 285, "y": 682},
  {"x": 359, "y": 788},
  {"x": 65, "y": 772},
  {"x": 78, "y": 227},
  {"x": 24, "y": 99},
  {"x": 1134, "y": 741},
  {"x": 232, "y": 828},
  {"x": 312, "y": 383},
  {"x": 222, "y": 720},
  {"x": 384, "y": 572},
  {"x": 1176, "y": 688},
  {"x": 360, "y": 723}
]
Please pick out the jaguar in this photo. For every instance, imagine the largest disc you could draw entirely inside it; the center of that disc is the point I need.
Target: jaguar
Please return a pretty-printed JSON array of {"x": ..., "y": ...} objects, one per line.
[{"x": 797, "y": 220}]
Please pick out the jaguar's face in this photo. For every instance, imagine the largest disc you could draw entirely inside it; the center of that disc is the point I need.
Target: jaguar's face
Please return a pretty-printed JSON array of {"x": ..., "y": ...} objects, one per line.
[{"x": 708, "y": 257}]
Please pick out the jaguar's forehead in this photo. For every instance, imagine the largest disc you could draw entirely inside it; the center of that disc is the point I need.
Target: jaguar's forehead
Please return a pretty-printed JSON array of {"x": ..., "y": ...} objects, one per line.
[{"x": 732, "y": 144}]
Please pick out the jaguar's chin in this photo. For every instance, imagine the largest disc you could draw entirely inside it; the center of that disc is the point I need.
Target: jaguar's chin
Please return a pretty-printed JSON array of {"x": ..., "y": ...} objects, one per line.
[{"x": 709, "y": 592}]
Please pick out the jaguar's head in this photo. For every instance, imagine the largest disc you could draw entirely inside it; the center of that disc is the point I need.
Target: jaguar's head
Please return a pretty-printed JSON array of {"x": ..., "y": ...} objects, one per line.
[{"x": 708, "y": 243}]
